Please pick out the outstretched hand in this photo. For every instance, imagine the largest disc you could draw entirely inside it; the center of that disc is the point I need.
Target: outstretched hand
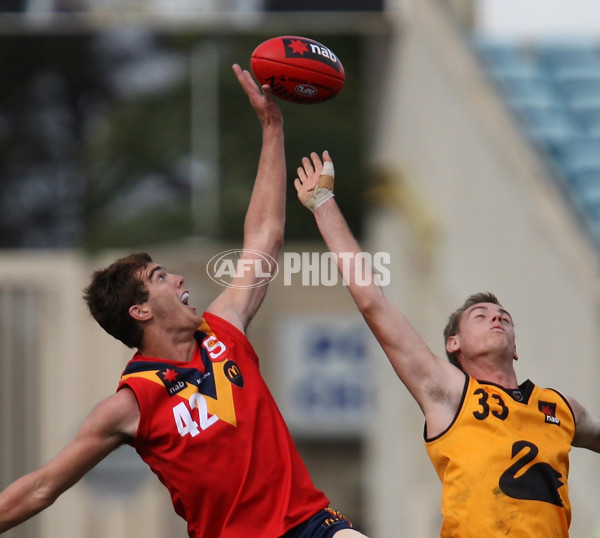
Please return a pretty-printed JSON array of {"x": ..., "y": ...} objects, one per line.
[
  {"x": 261, "y": 98},
  {"x": 314, "y": 183}
]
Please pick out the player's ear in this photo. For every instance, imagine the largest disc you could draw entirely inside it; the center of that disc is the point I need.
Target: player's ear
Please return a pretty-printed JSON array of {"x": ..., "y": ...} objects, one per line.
[
  {"x": 453, "y": 344},
  {"x": 140, "y": 312},
  {"x": 515, "y": 355}
]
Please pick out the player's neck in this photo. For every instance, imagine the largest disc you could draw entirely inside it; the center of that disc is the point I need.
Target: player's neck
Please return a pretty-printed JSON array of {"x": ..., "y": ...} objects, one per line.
[
  {"x": 502, "y": 374},
  {"x": 176, "y": 348}
]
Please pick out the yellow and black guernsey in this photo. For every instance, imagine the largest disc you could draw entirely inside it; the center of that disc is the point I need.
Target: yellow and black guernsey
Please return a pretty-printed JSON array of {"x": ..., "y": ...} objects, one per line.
[{"x": 504, "y": 463}]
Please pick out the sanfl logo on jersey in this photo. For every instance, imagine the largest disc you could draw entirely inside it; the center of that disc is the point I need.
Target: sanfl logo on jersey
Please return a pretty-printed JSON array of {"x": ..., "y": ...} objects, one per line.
[
  {"x": 549, "y": 410},
  {"x": 217, "y": 351}
]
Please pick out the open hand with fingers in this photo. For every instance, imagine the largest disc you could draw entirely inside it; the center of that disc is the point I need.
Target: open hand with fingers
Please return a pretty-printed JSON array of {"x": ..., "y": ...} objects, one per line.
[{"x": 314, "y": 183}]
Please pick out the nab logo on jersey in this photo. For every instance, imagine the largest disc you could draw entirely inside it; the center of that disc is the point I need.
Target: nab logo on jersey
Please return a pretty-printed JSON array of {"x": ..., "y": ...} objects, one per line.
[
  {"x": 549, "y": 410},
  {"x": 170, "y": 377}
]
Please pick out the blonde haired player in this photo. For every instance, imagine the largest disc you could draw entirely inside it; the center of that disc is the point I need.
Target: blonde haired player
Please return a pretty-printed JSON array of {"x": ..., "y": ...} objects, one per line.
[{"x": 499, "y": 447}]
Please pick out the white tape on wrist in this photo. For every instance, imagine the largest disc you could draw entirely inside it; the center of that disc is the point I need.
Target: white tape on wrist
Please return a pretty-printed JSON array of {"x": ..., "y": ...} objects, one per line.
[{"x": 319, "y": 197}]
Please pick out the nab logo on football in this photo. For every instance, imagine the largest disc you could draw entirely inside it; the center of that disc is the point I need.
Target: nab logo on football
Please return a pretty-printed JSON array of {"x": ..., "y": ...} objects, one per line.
[
  {"x": 232, "y": 372},
  {"x": 296, "y": 47}
]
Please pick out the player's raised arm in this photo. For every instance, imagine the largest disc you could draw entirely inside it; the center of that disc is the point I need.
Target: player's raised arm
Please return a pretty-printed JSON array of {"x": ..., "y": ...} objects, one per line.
[
  {"x": 433, "y": 382},
  {"x": 265, "y": 218}
]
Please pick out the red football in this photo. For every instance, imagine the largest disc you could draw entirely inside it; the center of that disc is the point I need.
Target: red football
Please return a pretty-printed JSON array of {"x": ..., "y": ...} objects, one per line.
[{"x": 298, "y": 69}]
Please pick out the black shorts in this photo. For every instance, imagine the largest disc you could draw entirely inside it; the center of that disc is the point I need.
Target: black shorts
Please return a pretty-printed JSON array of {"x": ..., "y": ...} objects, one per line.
[{"x": 323, "y": 524}]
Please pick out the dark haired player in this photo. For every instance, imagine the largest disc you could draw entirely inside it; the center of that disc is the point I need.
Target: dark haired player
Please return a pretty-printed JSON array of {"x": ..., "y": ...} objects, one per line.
[{"x": 192, "y": 401}]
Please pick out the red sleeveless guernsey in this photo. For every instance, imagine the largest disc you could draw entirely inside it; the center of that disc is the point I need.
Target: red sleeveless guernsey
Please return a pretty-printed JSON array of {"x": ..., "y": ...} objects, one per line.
[{"x": 211, "y": 431}]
